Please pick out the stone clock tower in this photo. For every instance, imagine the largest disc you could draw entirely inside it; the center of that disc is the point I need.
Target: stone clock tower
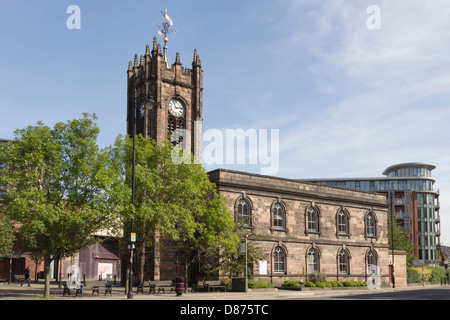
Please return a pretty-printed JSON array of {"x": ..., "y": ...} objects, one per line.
[
  {"x": 176, "y": 116},
  {"x": 177, "y": 92}
]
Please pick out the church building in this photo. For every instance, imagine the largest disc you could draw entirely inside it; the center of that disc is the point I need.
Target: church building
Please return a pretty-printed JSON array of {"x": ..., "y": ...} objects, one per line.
[{"x": 302, "y": 227}]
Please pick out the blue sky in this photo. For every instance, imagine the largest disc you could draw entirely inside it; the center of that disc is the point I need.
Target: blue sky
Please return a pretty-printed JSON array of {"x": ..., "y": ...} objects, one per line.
[{"x": 348, "y": 101}]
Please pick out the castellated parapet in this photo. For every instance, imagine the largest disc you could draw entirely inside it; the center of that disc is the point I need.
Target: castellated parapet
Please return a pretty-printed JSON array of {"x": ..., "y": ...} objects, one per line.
[{"x": 150, "y": 75}]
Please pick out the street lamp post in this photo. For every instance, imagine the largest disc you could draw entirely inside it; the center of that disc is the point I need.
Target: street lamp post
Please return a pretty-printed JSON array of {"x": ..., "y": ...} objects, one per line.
[
  {"x": 246, "y": 262},
  {"x": 392, "y": 234},
  {"x": 148, "y": 103}
]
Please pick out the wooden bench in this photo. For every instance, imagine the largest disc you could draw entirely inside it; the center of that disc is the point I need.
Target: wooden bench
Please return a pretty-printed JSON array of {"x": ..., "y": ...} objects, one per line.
[
  {"x": 108, "y": 288},
  {"x": 161, "y": 285},
  {"x": 78, "y": 290},
  {"x": 214, "y": 284},
  {"x": 3, "y": 279},
  {"x": 198, "y": 287},
  {"x": 66, "y": 291},
  {"x": 95, "y": 289},
  {"x": 19, "y": 278},
  {"x": 140, "y": 288}
]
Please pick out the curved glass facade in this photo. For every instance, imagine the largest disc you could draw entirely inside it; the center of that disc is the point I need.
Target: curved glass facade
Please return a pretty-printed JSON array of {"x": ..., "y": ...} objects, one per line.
[
  {"x": 383, "y": 185},
  {"x": 411, "y": 172},
  {"x": 402, "y": 181},
  {"x": 426, "y": 210}
]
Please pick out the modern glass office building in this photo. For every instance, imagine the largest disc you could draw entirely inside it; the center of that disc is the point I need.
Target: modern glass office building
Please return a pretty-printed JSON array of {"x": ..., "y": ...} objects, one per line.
[{"x": 410, "y": 193}]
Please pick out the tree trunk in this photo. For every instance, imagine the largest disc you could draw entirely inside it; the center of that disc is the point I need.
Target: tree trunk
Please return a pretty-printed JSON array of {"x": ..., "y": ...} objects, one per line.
[
  {"x": 36, "y": 262},
  {"x": 47, "y": 262},
  {"x": 142, "y": 265},
  {"x": 187, "y": 264},
  {"x": 127, "y": 277}
]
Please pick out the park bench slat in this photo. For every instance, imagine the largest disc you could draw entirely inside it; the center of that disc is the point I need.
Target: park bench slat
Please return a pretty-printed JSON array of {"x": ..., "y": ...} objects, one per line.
[{"x": 214, "y": 284}]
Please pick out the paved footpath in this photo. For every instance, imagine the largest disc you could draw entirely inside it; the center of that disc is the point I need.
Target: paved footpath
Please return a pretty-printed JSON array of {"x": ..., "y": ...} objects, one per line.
[
  {"x": 266, "y": 305},
  {"x": 15, "y": 291}
]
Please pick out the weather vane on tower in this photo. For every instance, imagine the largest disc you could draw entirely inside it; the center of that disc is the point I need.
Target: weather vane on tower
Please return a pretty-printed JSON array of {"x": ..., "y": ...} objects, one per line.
[
  {"x": 165, "y": 27},
  {"x": 164, "y": 30}
]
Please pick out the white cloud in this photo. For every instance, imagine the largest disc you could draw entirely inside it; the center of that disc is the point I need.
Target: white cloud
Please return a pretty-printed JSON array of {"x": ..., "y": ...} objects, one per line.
[{"x": 391, "y": 89}]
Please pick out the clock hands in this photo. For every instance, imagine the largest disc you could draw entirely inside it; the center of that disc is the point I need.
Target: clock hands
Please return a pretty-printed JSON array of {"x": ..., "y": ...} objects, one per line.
[{"x": 176, "y": 108}]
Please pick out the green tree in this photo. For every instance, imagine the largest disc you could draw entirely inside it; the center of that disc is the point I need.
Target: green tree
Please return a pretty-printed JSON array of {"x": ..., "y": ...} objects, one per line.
[
  {"x": 401, "y": 239},
  {"x": 58, "y": 186},
  {"x": 175, "y": 201},
  {"x": 6, "y": 235},
  {"x": 233, "y": 261},
  {"x": 208, "y": 233}
]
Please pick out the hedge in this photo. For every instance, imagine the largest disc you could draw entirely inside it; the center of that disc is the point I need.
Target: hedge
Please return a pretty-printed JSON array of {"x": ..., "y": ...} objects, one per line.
[
  {"x": 292, "y": 283},
  {"x": 354, "y": 284},
  {"x": 433, "y": 275},
  {"x": 412, "y": 276},
  {"x": 259, "y": 284},
  {"x": 438, "y": 274},
  {"x": 320, "y": 284},
  {"x": 323, "y": 284}
]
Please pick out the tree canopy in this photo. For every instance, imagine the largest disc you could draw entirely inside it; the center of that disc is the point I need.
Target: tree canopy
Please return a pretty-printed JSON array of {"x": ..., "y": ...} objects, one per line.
[
  {"x": 62, "y": 189},
  {"x": 58, "y": 182},
  {"x": 399, "y": 239},
  {"x": 175, "y": 200},
  {"x": 6, "y": 235}
]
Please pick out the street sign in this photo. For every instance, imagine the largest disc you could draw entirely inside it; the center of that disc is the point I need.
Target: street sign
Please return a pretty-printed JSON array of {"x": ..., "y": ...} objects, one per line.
[
  {"x": 418, "y": 263},
  {"x": 133, "y": 237},
  {"x": 244, "y": 245}
]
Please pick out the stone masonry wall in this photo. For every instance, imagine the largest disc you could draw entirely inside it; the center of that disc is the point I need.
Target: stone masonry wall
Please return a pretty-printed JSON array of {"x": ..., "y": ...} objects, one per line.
[{"x": 296, "y": 197}]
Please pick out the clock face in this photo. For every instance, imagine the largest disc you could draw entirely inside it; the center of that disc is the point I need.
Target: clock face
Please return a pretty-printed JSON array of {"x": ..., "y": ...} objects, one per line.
[{"x": 176, "y": 108}]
